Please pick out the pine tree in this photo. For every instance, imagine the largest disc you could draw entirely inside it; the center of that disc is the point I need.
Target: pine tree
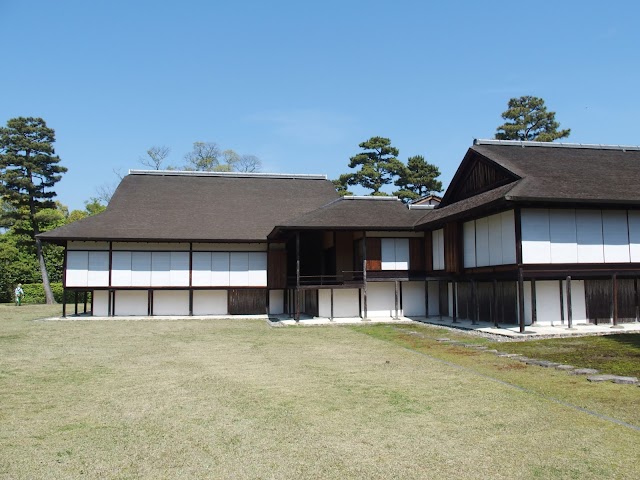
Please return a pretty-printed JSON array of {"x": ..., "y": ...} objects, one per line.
[
  {"x": 378, "y": 165},
  {"x": 528, "y": 119},
  {"x": 417, "y": 179},
  {"x": 28, "y": 170}
]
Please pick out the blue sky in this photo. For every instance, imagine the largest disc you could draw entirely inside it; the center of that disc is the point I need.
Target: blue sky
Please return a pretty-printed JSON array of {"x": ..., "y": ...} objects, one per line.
[{"x": 301, "y": 84}]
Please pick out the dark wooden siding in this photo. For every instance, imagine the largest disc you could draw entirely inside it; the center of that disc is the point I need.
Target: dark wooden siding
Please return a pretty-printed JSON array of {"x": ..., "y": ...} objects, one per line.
[
  {"x": 452, "y": 255},
  {"x": 247, "y": 301},
  {"x": 374, "y": 254},
  {"x": 501, "y": 306},
  {"x": 481, "y": 177},
  {"x": 428, "y": 251},
  {"x": 443, "y": 298},
  {"x": 416, "y": 254},
  {"x": 277, "y": 268},
  {"x": 311, "y": 302},
  {"x": 344, "y": 252},
  {"x": 598, "y": 299}
]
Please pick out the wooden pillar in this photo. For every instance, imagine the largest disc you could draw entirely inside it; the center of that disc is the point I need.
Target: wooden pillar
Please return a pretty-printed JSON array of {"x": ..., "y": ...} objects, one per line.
[
  {"x": 614, "y": 299},
  {"x": 454, "y": 298},
  {"x": 495, "y": 303},
  {"x": 521, "y": 299},
  {"x": 534, "y": 307},
  {"x": 113, "y": 303},
  {"x": 191, "y": 302},
  {"x": 85, "y": 301},
  {"x": 93, "y": 294},
  {"x": 331, "y": 314},
  {"x": 474, "y": 303},
  {"x": 64, "y": 302},
  {"x": 364, "y": 275},
  {"x": 109, "y": 303},
  {"x": 561, "y": 303},
  {"x": 296, "y": 295},
  {"x": 397, "y": 299},
  {"x": 569, "y": 306},
  {"x": 75, "y": 301},
  {"x": 149, "y": 302},
  {"x": 426, "y": 298},
  {"x": 635, "y": 288}
]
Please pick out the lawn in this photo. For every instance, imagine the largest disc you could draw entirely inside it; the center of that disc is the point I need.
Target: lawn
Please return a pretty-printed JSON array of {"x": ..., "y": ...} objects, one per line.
[{"x": 238, "y": 399}]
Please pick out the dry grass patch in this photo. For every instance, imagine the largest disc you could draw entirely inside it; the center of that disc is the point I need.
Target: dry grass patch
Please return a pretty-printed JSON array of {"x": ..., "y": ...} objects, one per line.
[{"x": 237, "y": 399}]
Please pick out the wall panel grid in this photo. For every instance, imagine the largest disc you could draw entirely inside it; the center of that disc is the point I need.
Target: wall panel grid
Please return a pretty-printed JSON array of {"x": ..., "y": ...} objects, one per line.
[
  {"x": 490, "y": 240},
  {"x": 438, "y": 249},
  {"x": 394, "y": 253},
  {"x": 87, "y": 269},
  {"x": 236, "y": 269},
  {"x": 580, "y": 236}
]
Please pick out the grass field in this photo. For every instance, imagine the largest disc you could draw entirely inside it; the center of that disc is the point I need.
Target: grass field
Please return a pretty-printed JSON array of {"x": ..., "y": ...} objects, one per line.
[{"x": 237, "y": 399}]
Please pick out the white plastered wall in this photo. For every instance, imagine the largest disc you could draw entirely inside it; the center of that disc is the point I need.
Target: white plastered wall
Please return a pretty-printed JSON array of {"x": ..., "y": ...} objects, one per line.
[
  {"x": 381, "y": 299},
  {"x": 209, "y": 302},
  {"x": 276, "y": 302},
  {"x": 548, "y": 302},
  {"x": 131, "y": 302},
  {"x": 345, "y": 303},
  {"x": 413, "y": 299},
  {"x": 171, "y": 302},
  {"x": 100, "y": 303}
]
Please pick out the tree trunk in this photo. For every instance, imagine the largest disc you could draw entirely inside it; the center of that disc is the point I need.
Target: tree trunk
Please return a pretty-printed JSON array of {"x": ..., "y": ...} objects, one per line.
[{"x": 45, "y": 276}]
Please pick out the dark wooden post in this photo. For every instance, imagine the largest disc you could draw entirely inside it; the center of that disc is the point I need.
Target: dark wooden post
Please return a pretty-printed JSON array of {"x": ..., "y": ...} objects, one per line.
[
  {"x": 569, "y": 307},
  {"x": 455, "y": 301},
  {"x": 364, "y": 275},
  {"x": 190, "y": 279},
  {"x": 397, "y": 299},
  {"x": 426, "y": 298},
  {"x": 474, "y": 303},
  {"x": 85, "y": 301},
  {"x": 635, "y": 288},
  {"x": 297, "y": 292},
  {"x": 331, "y": 317},
  {"x": 614, "y": 299},
  {"x": 64, "y": 302},
  {"x": 75, "y": 301},
  {"x": 534, "y": 307},
  {"x": 495, "y": 303},
  {"x": 561, "y": 303},
  {"x": 521, "y": 300}
]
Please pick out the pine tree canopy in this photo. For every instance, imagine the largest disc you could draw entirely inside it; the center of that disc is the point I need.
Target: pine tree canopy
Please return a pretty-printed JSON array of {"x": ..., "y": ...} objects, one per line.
[{"x": 528, "y": 119}]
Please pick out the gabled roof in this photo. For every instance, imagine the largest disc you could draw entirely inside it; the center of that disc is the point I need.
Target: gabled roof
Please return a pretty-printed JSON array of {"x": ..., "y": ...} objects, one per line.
[
  {"x": 530, "y": 172},
  {"x": 187, "y": 206},
  {"x": 355, "y": 212}
]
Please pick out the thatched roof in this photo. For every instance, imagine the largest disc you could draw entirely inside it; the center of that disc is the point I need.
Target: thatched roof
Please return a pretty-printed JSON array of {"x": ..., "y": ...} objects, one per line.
[{"x": 178, "y": 206}]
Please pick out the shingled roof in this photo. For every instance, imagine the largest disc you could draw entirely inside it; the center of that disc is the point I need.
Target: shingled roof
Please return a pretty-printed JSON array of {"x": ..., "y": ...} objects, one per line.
[
  {"x": 175, "y": 206},
  {"x": 549, "y": 173},
  {"x": 371, "y": 213}
]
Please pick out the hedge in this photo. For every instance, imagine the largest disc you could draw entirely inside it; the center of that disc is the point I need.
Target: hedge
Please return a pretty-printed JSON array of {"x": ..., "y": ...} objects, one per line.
[{"x": 34, "y": 293}]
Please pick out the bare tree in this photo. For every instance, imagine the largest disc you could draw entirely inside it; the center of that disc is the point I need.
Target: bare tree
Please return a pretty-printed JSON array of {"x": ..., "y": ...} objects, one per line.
[
  {"x": 156, "y": 156},
  {"x": 248, "y": 163},
  {"x": 204, "y": 157}
]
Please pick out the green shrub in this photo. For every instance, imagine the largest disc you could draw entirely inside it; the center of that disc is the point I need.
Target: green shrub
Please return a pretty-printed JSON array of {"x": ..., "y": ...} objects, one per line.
[{"x": 34, "y": 293}]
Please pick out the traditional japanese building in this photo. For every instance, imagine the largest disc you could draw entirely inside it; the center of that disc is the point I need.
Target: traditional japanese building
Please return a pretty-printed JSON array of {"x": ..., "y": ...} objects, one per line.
[{"x": 526, "y": 232}]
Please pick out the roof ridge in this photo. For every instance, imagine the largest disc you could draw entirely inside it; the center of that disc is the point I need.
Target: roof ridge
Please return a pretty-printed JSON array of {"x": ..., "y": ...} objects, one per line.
[
  {"x": 528, "y": 143},
  {"x": 192, "y": 173}
]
